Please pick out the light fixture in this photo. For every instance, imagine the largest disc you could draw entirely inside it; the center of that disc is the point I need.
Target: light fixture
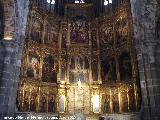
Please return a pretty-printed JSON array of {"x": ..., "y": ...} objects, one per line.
[
  {"x": 51, "y": 1},
  {"x": 79, "y": 83},
  {"x": 8, "y": 36},
  {"x": 79, "y": 1},
  {"x": 106, "y": 2}
]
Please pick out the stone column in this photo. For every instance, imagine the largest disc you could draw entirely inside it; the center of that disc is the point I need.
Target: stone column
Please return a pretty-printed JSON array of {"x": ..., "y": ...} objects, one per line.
[
  {"x": 143, "y": 13},
  {"x": 9, "y": 78},
  {"x": 10, "y": 54}
]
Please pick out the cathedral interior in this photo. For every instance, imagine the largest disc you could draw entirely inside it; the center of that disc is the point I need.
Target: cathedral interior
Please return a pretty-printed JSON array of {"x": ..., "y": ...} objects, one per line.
[{"x": 80, "y": 59}]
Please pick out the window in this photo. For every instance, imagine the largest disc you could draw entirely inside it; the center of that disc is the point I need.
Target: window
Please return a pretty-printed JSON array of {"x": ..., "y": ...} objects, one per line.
[
  {"x": 79, "y": 1},
  {"x": 106, "y": 2},
  {"x": 51, "y": 1}
]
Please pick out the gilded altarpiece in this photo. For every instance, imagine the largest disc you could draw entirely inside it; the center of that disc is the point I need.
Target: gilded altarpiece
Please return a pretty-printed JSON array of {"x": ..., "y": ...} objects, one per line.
[{"x": 77, "y": 64}]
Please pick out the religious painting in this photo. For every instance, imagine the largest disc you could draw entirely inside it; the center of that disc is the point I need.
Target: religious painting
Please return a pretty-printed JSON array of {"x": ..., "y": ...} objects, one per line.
[
  {"x": 20, "y": 100},
  {"x": 131, "y": 99},
  {"x": 43, "y": 103},
  {"x": 94, "y": 38},
  {"x": 115, "y": 101},
  {"x": 33, "y": 66},
  {"x": 47, "y": 35},
  {"x": 51, "y": 104},
  {"x": 79, "y": 69},
  {"x": 33, "y": 101},
  {"x": 104, "y": 70},
  {"x": 122, "y": 31},
  {"x": 36, "y": 31},
  {"x": 125, "y": 66},
  {"x": 64, "y": 37},
  {"x": 26, "y": 101},
  {"x": 107, "y": 35},
  {"x": 124, "y": 101},
  {"x": 79, "y": 30},
  {"x": 72, "y": 77},
  {"x": 109, "y": 70},
  {"x": 95, "y": 70},
  {"x": 63, "y": 68},
  {"x": 48, "y": 71},
  {"x": 54, "y": 37},
  {"x": 106, "y": 104}
]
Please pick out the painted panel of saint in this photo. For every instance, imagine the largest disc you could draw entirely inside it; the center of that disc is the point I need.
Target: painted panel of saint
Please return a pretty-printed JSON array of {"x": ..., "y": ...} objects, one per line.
[
  {"x": 43, "y": 103},
  {"x": 63, "y": 68},
  {"x": 72, "y": 77},
  {"x": 109, "y": 70},
  {"x": 105, "y": 70},
  {"x": 48, "y": 71},
  {"x": 20, "y": 100},
  {"x": 26, "y": 101},
  {"x": 131, "y": 100},
  {"x": 86, "y": 62},
  {"x": 36, "y": 31},
  {"x": 33, "y": 102},
  {"x": 125, "y": 66},
  {"x": 33, "y": 67},
  {"x": 79, "y": 30},
  {"x": 64, "y": 37},
  {"x": 95, "y": 70},
  {"x": 106, "y": 104},
  {"x": 54, "y": 38},
  {"x": 107, "y": 35},
  {"x": 79, "y": 69},
  {"x": 47, "y": 35},
  {"x": 112, "y": 70},
  {"x": 94, "y": 38},
  {"x": 115, "y": 101},
  {"x": 51, "y": 104},
  {"x": 121, "y": 31},
  {"x": 124, "y": 101},
  {"x": 63, "y": 72}
]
